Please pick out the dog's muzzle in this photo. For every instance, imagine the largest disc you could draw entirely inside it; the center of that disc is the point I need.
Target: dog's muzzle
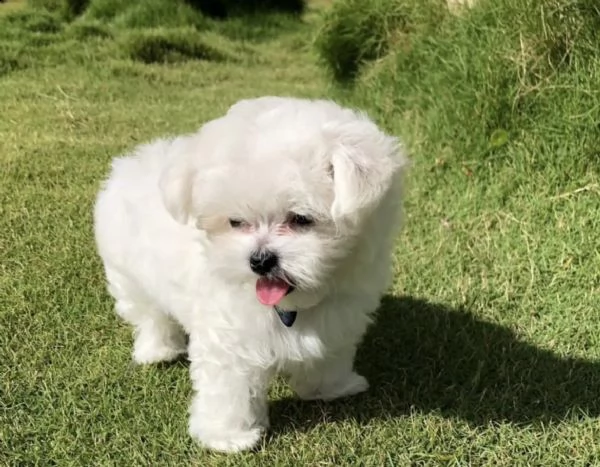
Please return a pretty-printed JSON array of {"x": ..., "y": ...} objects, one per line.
[{"x": 263, "y": 262}]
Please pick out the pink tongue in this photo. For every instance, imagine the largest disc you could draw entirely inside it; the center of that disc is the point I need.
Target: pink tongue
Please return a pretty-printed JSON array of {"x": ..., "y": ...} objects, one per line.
[{"x": 271, "y": 291}]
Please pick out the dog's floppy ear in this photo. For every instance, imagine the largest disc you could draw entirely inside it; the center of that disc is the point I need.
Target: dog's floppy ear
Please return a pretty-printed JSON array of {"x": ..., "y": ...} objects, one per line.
[
  {"x": 175, "y": 185},
  {"x": 364, "y": 163}
]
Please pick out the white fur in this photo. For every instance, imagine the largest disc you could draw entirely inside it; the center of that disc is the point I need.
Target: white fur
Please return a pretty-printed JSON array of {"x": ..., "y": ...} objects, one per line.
[{"x": 176, "y": 267}]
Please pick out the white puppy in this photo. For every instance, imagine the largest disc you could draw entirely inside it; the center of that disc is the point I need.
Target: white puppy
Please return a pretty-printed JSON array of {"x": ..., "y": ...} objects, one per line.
[{"x": 267, "y": 238}]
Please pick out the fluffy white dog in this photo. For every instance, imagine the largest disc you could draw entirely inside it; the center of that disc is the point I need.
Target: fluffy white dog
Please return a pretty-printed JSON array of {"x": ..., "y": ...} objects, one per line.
[{"x": 266, "y": 237}]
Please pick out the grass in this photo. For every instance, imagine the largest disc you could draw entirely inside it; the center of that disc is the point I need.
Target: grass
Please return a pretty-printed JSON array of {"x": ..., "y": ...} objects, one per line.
[
  {"x": 357, "y": 31},
  {"x": 486, "y": 351},
  {"x": 219, "y": 9},
  {"x": 172, "y": 46}
]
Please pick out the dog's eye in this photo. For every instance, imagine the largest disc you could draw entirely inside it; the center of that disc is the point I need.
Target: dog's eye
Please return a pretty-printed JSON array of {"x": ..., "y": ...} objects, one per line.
[
  {"x": 298, "y": 220},
  {"x": 236, "y": 223}
]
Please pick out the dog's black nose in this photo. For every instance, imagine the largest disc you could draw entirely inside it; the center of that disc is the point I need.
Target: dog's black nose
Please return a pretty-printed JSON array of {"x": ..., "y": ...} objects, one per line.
[{"x": 263, "y": 262}]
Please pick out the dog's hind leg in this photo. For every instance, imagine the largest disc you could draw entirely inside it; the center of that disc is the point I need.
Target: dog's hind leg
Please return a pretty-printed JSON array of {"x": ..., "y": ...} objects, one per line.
[
  {"x": 158, "y": 338},
  {"x": 327, "y": 379}
]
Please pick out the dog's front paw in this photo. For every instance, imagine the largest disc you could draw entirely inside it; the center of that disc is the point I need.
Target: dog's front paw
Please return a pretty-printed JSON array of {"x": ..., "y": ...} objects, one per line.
[
  {"x": 226, "y": 440},
  {"x": 351, "y": 384},
  {"x": 153, "y": 347}
]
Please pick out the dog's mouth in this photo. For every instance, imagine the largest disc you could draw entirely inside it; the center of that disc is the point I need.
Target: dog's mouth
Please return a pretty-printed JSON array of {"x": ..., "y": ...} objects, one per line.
[{"x": 271, "y": 290}]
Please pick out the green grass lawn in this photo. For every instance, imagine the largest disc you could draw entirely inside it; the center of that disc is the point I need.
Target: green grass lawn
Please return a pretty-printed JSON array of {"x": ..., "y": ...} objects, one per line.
[{"x": 486, "y": 351}]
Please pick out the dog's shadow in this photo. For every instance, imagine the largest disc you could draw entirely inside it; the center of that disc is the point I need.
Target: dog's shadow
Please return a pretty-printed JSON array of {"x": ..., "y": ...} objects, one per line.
[{"x": 427, "y": 357}]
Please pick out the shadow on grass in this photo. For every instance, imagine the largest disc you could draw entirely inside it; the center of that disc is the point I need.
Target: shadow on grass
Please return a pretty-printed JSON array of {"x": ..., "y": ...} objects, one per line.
[
  {"x": 227, "y": 8},
  {"x": 428, "y": 357}
]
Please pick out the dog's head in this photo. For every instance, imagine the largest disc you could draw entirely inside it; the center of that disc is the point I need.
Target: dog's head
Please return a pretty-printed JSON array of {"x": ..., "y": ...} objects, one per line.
[{"x": 282, "y": 193}]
